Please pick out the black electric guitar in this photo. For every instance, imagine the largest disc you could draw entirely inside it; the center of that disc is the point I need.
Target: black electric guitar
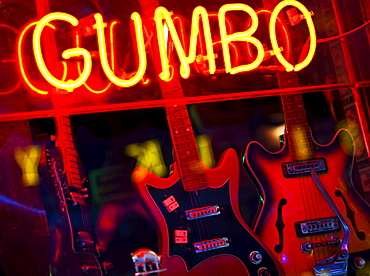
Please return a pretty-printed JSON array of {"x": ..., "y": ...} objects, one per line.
[
  {"x": 312, "y": 219},
  {"x": 72, "y": 246}
]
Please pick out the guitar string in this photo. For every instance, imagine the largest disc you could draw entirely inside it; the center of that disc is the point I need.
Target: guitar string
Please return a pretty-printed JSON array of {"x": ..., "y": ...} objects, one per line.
[
  {"x": 287, "y": 104},
  {"x": 201, "y": 225},
  {"x": 196, "y": 199},
  {"x": 286, "y": 101},
  {"x": 312, "y": 198},
  {"x": 309, "y": 201}
]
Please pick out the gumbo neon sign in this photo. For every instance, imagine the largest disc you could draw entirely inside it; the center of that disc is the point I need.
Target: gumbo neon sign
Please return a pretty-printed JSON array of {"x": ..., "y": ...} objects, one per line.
[{"x": 165, "y": 27}]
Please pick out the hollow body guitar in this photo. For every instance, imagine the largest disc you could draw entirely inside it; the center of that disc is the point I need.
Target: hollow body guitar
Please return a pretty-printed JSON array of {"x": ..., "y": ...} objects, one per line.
[{"x": 311, "y": 213}]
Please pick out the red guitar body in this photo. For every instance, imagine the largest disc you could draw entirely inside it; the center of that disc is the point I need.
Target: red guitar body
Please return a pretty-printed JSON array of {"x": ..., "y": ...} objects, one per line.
[
  {"x": 291, "y": 200},
  {"x": 180, "y": 259}
]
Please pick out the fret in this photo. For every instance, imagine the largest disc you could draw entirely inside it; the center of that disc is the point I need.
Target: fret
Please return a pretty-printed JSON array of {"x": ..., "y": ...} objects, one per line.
[
  {"x": 287, "y": 80},
  {"x": 293, "y": 108},
  {"x": 302, "y": 133},
  {"x": 298, "y": 130},
  {"x": 296, "y": 124},
  {"x": 295, "y": 116},
  {"x": 304, "y": 144},
  {"x": 186, "y": 146},
  {"x": 186, "y": 149},
  {"x": 184, "y": 143}
]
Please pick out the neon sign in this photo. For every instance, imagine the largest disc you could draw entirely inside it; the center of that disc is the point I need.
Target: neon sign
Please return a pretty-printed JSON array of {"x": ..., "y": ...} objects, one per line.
[{"x": 163, "y": 17}]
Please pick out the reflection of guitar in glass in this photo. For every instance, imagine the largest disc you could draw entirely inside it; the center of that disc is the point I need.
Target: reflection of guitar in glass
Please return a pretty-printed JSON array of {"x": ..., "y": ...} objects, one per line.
[
  {"x": 72, "y": 248},
  {"x": 312, "y": 216}
]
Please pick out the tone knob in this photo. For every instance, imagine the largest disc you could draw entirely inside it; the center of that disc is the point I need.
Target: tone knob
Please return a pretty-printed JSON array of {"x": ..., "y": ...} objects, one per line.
[
  {"x": 255, "y": 257},
  {"x": 263, "y": 271},
  {"x": 359, "y": 262}
]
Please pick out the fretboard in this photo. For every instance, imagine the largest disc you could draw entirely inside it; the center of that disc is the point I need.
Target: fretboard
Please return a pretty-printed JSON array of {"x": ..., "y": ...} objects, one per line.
[
  {"x": 183, "y": 139},
  {"x": 297, "y": 127},
  {"x": 186, "y": 149},
  {"x": 70, "y": 156}
]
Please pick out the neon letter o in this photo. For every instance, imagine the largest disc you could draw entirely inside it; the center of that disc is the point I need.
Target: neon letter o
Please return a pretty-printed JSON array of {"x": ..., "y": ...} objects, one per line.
[{"x": 307, "y": 15}]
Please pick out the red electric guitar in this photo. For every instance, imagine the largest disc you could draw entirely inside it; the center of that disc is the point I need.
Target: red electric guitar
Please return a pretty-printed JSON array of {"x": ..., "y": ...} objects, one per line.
[
  {"x": 200, "y": 228},
  {"x": 196, "y": 208},
  {"x": 312, "y": 218}
]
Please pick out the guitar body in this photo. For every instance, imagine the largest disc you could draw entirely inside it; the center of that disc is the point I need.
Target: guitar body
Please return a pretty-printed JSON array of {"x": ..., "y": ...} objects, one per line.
[
  {"x": 66, "y": 257},
  {"x": 63, "y": 259},
  {"x": 289, "y": 200},
  {"x": 180, "y": 258}
]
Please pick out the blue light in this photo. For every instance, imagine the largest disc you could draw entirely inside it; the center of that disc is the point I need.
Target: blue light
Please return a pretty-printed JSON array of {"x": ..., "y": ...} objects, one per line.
[
  {"x": 284, "y": 259},
  {"x": 15, "y": 203}
]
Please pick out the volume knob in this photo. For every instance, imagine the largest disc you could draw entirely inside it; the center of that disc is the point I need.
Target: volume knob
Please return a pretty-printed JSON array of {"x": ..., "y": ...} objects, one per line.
[
  {"x": 263, "y": 271},
  {"x": 255, "y": 257},
  {"x": 359, "y": 262}
]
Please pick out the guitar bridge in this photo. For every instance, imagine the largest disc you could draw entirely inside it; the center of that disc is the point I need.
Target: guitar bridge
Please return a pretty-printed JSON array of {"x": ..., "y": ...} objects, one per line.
[
  {"x": 317, "y": 226},
  {"x": 295, "y": 169}
]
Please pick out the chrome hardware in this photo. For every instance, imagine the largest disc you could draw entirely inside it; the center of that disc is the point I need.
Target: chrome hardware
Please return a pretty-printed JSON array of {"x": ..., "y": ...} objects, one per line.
[
  {"x": 107, "y": 266},
  {"x": 337, "y": 264},
  {"x": 87, "y": 269},
  {"x": 210, "y": 245},
  {"x": 359, "y": 262},
  {"x": 78, "y": 198},
  {"x": 307, "y": 246},
  {"x": 318, "y": 226},
  {"x": 292, "y": 169},
  {"x": 255, "y": 257},
  {"x": 263, "y": 271},
  {"x": 100, "y": 249},
  {"x": 203, "y": 212},
  {"x": 146, "y": 262},
  {"x": 84, "y": 239}
]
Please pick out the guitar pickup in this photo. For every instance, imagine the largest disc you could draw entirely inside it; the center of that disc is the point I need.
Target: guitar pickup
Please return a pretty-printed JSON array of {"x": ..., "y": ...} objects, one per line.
[
  {"x": 317, "y": 227},
  {"x": 295, "y": 169},
  {"x": 202, "y": 212},
  {"x": 211, "y": 245}
]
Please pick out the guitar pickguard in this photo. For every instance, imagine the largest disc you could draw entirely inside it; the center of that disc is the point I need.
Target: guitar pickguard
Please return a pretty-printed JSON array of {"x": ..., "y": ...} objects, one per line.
[{"x": 184, "y": 233}]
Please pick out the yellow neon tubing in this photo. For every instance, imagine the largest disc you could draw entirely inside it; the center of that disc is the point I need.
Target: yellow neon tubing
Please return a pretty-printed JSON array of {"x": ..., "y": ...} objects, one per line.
[
  {"x": 20, "y": 59},
  {"x": 73, "y": 52},
  {"x": 103, "y": 53},
  {"x": 239, "y": 36},
  {"x": 201, "y": 12},
  {"x": 161, "y": 14},
  {"x": 307, "y": 15},
  {"x": 113, "y": 23}
]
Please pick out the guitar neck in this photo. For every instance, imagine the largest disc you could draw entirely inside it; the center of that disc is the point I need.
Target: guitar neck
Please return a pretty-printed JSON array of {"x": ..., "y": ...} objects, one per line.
[
  {"x": 297, "y": 128},
  {"x": 184, "y": 143},
  {"x": 69, "y": 153},
  {"x": 185, "y": 148}
]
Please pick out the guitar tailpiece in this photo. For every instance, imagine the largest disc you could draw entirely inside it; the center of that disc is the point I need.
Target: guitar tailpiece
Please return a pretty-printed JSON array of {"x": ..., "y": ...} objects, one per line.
[
  {"x": 307, "y": 246},
  {"x": 335, "y": 265}
]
